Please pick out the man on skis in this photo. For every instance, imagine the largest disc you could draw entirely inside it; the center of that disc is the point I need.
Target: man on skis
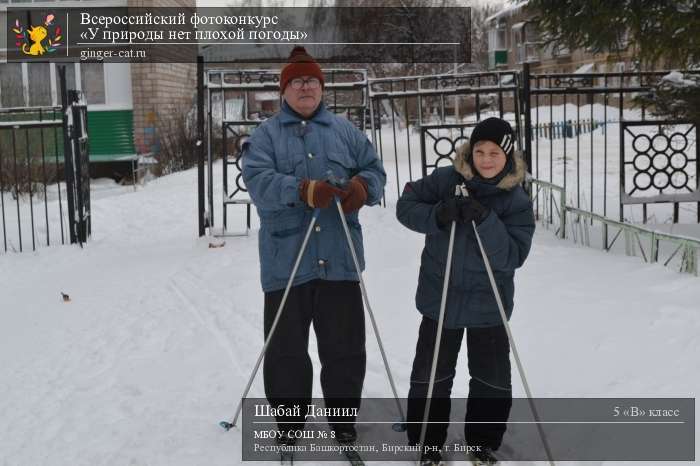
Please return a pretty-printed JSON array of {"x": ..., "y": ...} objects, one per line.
[{"x": 286, "y": 166}]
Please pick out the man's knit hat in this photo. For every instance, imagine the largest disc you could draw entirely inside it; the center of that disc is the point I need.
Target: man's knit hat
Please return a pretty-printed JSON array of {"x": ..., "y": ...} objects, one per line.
[
  {"x": 495, "y": 130},
  {"x": 300, "y": 64}
]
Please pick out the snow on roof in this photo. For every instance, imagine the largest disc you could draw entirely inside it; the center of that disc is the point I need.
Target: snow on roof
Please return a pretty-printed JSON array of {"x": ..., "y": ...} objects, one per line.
[
  {"x": 509, "y": 10},
  {"x": 677, "y": 79},
  {"x": 262, "y": 96},
  {"x": 587, "y": 68}
]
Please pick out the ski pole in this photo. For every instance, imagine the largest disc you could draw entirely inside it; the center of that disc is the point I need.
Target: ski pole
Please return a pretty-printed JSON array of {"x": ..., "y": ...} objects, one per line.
[
  {"x": 228, "y": 425},
  {"x": 438, "y": 336},
  {"x": 511, "y": 340},
  {"x": 397, "y": 426}
]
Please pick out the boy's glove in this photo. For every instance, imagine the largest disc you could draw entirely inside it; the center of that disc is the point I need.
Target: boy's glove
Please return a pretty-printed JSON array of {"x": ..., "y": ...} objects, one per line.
[
  {"x": 447, "y": 211},
  {"x": 317, "y": 193},
  {"x": 356, "y": 196},
  {"x": 472, "y": 210},
  {"x": 461, "y": 210}
]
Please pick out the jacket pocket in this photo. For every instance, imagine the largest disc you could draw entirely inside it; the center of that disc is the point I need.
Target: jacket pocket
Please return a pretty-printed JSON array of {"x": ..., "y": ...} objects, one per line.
[
  {"x": 356, "y": 235},
  {"x": 482, "y": 300},
  {"x": 286, "y": 237},
  {"x": 429, "y": 291},
  {"x": 291, "y": 164},
  {"x": 341, "y": 164}
]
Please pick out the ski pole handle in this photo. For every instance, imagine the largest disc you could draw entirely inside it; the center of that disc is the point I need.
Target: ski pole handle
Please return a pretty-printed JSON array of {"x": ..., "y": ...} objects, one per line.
[
  {"x": 333, "y": 180},
  {"x": 461, "y": 191}
]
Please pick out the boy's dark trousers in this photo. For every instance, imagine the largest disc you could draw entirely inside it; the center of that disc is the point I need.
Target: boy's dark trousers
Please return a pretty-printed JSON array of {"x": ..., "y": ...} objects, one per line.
[
  {"x": 336, "y": 311},
  {"x": 490, "y": 391}
]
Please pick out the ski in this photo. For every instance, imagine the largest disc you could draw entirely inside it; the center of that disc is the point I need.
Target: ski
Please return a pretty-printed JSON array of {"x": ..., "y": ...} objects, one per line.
[
  {"x": 482, "y": 463},
  {"x": 488, "y": 460},
  {"x": 286, "y": 458},
  {"x": 353, "y": 458}
]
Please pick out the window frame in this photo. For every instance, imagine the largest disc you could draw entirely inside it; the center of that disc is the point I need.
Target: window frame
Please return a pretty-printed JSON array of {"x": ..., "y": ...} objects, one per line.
[{"x": 54, "y": 88}]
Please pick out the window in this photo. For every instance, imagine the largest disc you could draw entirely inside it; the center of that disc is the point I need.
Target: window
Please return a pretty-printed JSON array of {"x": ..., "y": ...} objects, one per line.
[
  {"x": 33, "y": 80},
  {"x": 70, "y": 79},
  {"x": 497, "y": 36},
  {"x": 92, "y": 77},
  {"x": 561, "y": 51},
  {"x": 39, "y": 80},
  {"x": 11, "y": 94},
  {"x": 498, "y": 53},
  {"x": 518, "y": 41},
  {"x": 532, "y": 42},
  {"x": 526, "y": 42}
]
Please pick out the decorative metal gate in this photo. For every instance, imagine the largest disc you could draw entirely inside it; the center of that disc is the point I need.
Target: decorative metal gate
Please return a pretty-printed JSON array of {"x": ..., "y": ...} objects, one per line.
[
  {"x": 234, "y": 102},
  {"x": 570, "y": 127},
  {"x": 660, "y": 167},
  {"x": 579, "y": 125},
  {"x": 439, "y": 109},
  {"x": 40, "y": 149}
]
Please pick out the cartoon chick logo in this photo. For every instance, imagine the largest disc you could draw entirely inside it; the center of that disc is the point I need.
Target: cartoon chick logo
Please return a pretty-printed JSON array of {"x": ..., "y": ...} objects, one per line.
[{"x": 31, "y": 40}]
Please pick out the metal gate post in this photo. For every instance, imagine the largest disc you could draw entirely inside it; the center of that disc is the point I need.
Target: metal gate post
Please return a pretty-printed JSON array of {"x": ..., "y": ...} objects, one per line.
[
  {"x": 68, "y": 168},
  {"x": 200, "y": 144},
  {"x": 527, "y": 111}
]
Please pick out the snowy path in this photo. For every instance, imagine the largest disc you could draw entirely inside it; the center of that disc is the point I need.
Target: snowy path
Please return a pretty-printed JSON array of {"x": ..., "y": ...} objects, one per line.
[{"x": 162, "y": 332}]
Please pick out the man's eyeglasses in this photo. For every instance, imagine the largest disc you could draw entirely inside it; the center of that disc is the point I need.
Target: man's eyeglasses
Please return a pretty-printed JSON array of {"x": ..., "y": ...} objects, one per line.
[{"x": 311, "y": 83}]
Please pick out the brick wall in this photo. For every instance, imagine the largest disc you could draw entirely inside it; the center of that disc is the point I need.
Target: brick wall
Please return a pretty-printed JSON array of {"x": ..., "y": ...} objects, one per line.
[{"x": 161, "y": 91}]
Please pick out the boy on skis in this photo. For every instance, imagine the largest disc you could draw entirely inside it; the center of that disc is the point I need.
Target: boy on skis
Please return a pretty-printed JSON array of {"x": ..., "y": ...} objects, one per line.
[{"x": 492, "y": 172}]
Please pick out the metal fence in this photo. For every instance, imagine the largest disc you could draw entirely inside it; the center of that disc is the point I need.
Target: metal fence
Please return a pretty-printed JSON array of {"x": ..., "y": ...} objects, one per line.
[
  {"x": 594, "y": 163},
  {"x": 594, "y": 230},
  {"x": 30, "y": 173},
  {"x": 43, "y": 174},
  {"x": 232, "y": 103},
  {"x": 404, "y": 108},
  {"x": 577, "y": 131}
]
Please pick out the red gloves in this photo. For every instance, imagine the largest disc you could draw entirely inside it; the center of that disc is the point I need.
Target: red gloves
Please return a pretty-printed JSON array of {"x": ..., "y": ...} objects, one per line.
[
  {"x": 318, "y": 193},
  {"x": 356, "y": 196}
]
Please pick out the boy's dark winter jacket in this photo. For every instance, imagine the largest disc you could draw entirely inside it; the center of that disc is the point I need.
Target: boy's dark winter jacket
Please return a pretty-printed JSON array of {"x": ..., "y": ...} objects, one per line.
[{"x": 506, "y": 233}]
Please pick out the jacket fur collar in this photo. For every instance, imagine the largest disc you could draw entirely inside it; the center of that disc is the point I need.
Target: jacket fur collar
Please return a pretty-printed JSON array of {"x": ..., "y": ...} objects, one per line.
[{"x": 511, "y": 180}]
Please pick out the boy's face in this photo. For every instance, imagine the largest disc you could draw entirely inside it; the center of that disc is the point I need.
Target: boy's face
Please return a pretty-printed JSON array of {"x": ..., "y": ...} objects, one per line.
[{"x": 489, "y": 159}]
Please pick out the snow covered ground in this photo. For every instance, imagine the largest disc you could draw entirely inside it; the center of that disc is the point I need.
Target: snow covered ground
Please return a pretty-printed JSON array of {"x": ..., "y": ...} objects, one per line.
[{"x": 161, "y": 331}]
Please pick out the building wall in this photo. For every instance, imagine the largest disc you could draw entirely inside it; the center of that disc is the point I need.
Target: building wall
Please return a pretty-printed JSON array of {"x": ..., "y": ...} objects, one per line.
[
  {"x": 546, "y": 63},
  {"x": 162, "y": 92}
]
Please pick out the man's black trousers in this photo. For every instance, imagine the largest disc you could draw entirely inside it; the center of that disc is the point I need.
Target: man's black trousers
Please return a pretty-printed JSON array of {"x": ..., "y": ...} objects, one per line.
[{"x": 336, "y": 312}]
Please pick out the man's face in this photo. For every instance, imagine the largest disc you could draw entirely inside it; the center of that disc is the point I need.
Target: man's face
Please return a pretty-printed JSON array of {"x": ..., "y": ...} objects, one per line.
[
  {"x": 489, "y": 159},
  {"x": 303, "y": 94}
]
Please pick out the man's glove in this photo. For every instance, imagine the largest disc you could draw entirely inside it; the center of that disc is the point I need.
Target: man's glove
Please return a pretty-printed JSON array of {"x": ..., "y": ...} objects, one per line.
[
  {"x": 317, "y": 193},
  {"x": 357, "y": 194},
  {"x": 461, "y": 210}
]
